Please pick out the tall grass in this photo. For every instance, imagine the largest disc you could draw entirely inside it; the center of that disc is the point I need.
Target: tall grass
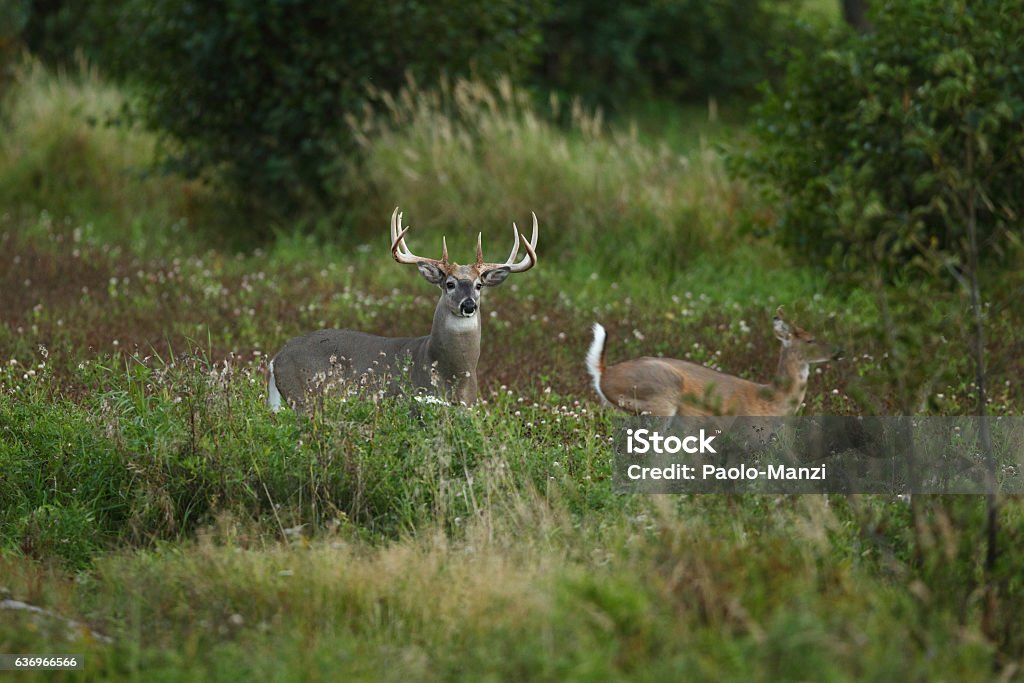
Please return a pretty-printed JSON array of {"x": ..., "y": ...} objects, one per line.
[
  {"x": 710, "y": 588},
  {"x": 473, "y": 157},
  {"x": 213, "y": 538},
  {"x": 68, "y": 150}
]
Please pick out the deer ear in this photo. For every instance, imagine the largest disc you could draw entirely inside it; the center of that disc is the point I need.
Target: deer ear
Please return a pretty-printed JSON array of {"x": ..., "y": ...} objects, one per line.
[
  {"x": 781, "y": 329},
  {"x": 430, "y": 272},
  {"x": 494, "y": 276}
]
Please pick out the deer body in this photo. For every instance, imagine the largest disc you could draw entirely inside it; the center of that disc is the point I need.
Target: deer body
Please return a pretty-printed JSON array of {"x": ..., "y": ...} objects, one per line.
[
  {"x": 668, "y": 387},
  {"x": 443, "y": 363}
]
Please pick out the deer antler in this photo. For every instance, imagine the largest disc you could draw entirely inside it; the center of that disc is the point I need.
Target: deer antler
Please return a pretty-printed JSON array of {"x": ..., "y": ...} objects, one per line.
[
  {"x": 527, "y": 262},
  {"x": 401, "y": 251}
]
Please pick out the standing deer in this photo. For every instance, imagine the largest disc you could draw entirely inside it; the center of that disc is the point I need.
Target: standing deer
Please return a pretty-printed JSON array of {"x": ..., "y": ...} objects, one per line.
[
  {"x": 669, "y": 387},
  {"x": 442, "y": 363}
]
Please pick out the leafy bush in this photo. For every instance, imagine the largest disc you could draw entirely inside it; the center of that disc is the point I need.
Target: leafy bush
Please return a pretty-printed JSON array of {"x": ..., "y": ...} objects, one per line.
[
  {"x": 885, "y": 146},
  {"x": 257, "y": 91},
  {"x": 13, "y": 17},
  {"x": 682, "y": 49},
  {"x": 57, "y": 31}
]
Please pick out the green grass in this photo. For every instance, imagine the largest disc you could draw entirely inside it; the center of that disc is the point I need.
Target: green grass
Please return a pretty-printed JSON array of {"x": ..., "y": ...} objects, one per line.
[
  {"x": 676, "y": 590},
  {"x": 69, "y": 152},
  {"x": 148, "y": 494},
  {"x": 470, "y": 158}
]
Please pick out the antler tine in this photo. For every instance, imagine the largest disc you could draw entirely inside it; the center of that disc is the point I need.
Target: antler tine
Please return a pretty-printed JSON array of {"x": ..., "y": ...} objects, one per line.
[
  {"x": 528, "y": 261},
  {"x": 778, "y": 313},
  {"x": 400, "y": 250},
  {"x": 515, "y": 246},
  {"x": 397, "y": 248},
  {"x": 508, "y": 262},
  {"x": 394, "y": 225}
]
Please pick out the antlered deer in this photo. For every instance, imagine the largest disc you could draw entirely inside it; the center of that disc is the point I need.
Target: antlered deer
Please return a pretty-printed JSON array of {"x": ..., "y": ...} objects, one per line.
[
  {"x": 442, "y": 363},
  {"x": 668, "y": 387}
]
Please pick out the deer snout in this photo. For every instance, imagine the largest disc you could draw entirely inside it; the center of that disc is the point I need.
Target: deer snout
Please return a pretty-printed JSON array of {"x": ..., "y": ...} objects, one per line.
[{"x": 467, "y": 307}]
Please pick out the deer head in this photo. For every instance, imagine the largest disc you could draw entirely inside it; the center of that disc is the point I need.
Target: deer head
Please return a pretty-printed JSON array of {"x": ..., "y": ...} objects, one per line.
[
  {"x": 461, "y": 285},
  {"x": 799, "y": 344}
]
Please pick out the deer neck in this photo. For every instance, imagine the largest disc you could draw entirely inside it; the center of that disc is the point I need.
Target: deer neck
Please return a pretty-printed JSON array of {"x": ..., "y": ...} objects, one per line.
[
  {"x": 790, "y": 381},
  {"x": 454, "y": 350}
]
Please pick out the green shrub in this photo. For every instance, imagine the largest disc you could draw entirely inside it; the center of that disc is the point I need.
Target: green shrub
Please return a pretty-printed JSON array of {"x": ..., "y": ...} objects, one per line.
[
  {"x": 874, "y": 149},
  {"x": 257, "y": 91},
  {"x": 681, "y": 49},
  {"x": 13, "y": 17},
  {"x": 57, "y": 31}
]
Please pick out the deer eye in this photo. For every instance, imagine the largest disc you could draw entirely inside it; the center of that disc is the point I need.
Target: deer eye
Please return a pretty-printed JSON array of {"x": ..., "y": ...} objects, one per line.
[
  {"x": 479, "y": 286},
  {"x": 450, "y": 285}
]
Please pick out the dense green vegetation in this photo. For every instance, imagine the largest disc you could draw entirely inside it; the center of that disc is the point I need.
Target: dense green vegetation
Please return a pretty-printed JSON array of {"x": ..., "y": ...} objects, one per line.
[
  {"x": 258, "y": 96},
  {"x": 878, "y": 144},
  {"x": 616, "y": 53},
  {"x": 176, "y": 529}
]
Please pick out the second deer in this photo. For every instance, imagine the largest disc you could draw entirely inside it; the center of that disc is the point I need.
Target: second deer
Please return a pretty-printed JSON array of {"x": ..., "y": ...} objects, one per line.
[{"x": 668, "y": 387}]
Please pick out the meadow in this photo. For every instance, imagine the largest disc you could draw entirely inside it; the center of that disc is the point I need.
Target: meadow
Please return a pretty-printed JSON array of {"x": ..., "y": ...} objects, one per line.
[{"x": 173, "y": 528}]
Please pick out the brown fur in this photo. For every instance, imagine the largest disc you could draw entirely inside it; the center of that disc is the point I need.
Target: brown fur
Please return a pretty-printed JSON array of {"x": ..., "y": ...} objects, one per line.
[{"x": 666, "y": 386}]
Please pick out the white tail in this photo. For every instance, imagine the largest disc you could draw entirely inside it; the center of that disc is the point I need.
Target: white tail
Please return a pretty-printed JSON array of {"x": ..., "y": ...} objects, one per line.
[
  {"x": 667, "y": 387},
  {"x": 595, "y": 360},
  {"x": 273, "y": 395},
  {"x": 442, "y": 363}
]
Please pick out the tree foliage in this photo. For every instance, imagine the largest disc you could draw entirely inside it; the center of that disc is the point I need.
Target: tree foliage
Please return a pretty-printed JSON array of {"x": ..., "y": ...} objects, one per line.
[
  {"x": 872, "y": 147},
  {"x": 257, "y": 91},
  {"x": 676, "y": 49},
  {"x": 56, "y": 31},
  {"x": 13, "y": 18}
]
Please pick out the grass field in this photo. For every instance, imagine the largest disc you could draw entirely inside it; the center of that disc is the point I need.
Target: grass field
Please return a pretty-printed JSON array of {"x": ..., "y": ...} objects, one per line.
[{"x": 175, "y": 529}]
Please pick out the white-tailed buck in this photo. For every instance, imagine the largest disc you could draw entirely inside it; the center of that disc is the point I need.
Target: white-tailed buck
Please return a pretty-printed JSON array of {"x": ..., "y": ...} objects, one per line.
[
  {"x": 442, "y": 363},
  {"x": 668, "y": 387}
]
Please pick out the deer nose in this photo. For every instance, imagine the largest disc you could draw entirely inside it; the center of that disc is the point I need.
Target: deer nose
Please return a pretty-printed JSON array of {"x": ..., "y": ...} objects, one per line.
[{"x": 468, "y": 307}]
